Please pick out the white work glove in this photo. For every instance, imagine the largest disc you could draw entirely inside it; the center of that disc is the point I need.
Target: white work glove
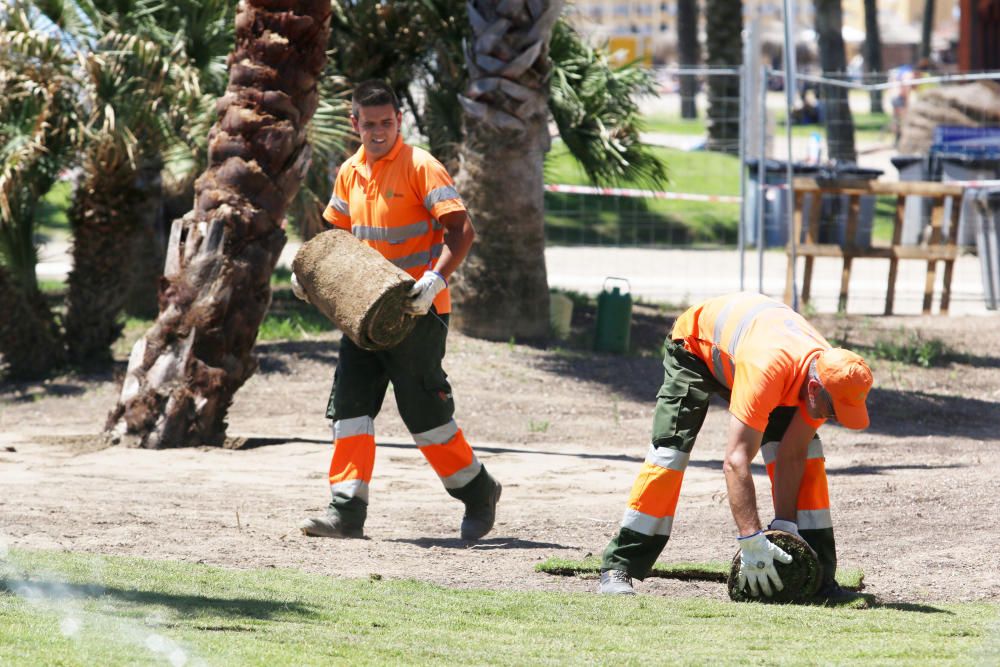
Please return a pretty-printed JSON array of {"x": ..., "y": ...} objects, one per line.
[
  {"x": 421, "y": 295},
  {"x": 757, "y": 556},
  {"x": 787, "y": 526},
  {"x": 297, "y": 289}
]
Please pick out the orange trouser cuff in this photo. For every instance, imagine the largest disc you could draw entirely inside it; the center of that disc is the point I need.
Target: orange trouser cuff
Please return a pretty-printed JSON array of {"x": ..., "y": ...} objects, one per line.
[{"x": 449, "y": 457}]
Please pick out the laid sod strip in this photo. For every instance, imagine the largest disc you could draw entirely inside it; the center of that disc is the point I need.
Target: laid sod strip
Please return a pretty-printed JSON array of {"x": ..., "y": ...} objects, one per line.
[
  {"x": 852, "y": 578},
  {"x": 81, "y": 609},
  {"x": 592, "y": 565}
]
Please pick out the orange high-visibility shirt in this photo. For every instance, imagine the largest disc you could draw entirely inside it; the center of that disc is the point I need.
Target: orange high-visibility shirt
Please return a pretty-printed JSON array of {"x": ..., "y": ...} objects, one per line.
[
  {"x": 757, "y": 347},
  {"x": 396, "y": 211}
]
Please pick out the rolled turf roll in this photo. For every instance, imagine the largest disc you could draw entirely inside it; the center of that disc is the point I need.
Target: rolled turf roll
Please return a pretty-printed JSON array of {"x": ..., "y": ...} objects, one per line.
[
  {"x": 356, "y": 288},
  {"x": 801, "y": 577}
]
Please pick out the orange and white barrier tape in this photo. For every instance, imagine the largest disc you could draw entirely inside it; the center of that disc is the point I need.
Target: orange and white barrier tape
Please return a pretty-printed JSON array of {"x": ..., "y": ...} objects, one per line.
[{"x": 644, "y": 194}]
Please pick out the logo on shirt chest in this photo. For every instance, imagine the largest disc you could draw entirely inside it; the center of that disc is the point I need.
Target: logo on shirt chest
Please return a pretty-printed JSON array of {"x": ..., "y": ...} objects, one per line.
[{"x": 390, "y": 193}]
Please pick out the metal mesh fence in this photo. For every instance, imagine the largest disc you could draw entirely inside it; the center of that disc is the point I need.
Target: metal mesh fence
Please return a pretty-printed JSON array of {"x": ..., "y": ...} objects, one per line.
[
  {"x": 899, "y": 125},
  {"x": 700, "y": 204}
]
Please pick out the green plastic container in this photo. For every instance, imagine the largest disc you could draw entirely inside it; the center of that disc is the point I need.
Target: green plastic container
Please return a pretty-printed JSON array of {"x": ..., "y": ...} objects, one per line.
[{"x": 614, "y": 317}]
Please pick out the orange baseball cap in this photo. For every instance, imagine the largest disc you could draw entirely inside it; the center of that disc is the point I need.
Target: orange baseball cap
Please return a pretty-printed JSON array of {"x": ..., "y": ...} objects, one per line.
[{"x": 847, "y": 379}]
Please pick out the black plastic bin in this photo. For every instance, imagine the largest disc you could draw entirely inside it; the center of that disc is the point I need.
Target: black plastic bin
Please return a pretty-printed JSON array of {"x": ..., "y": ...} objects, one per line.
[
  {"x": 833, "y": 219},
  {"x": 775, "y": 200}
]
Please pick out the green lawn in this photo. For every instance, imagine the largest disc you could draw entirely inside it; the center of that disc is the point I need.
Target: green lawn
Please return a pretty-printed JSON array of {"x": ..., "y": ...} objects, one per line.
[
  {"x": 50, "y": 217},
  {"x": 77, "y": 609},
  {"x": 572, "y": 218},
  {"x": 869, "y": 128},
  {"x": 674, "y": 124}
]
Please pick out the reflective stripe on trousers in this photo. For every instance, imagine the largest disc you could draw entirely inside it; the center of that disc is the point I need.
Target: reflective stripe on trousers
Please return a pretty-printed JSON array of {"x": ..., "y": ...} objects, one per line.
[
  {"x": 653, "y": 500},
  {"x": 353, "y": 458},
  {"x": 446, "y": 449},
  {"x": 813, "y": 505}
]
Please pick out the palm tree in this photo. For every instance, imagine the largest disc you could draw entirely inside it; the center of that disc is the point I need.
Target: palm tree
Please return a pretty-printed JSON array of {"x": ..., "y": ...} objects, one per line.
[
  {"x": 837, "y": 112},
  {"x": 689, "y": 54},
  {"x": 141, "y": 93},
  {"x": 502, "y": 287},
  {"x": 37, "y": 121},
  {"x": 724, "y": 35},
  {"x": 183, "y": 373},
  {"x": 594, "y": 108},
  {"x": 127, "y": 80}
]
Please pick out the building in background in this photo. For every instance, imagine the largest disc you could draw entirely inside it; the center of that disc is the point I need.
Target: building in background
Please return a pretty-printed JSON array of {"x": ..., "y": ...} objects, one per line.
[{"x": 646, "y": 30}]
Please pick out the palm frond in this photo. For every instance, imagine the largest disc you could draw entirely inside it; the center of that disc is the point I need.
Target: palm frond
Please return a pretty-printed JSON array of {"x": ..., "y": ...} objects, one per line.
[{"x": 594, "y": 107}]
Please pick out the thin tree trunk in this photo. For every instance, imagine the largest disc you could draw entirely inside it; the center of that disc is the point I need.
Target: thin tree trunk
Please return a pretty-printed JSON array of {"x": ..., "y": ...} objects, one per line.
[
  {"x": 927, "y": 31},
  {"x": 689, "y": 54},
  {"x": 184, "y": 372},
  {"x": 502, "y": 290},
  {"x": 873, "y": 53},
  {"x": 724, "y": 30},
  {"x": 836, "y": 109}
]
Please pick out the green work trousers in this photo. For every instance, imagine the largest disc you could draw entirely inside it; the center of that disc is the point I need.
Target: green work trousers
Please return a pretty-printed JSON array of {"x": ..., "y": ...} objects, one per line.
[{"x": 420, "y": 384}]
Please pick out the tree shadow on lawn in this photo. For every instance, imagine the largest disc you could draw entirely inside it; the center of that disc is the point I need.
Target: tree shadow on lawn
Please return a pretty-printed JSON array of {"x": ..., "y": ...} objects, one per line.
[
  {"x": 189, "y": 605},
  {"x": 912, "y": 607}
]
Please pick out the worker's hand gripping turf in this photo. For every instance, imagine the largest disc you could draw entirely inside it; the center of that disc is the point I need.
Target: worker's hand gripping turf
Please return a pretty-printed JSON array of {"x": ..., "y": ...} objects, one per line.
[
  {"x": 787, "y": 526},
  {"x": 297, "y": 289},
  {"x": 757, "y": 556},
  {"x": 422, "y": 294}
]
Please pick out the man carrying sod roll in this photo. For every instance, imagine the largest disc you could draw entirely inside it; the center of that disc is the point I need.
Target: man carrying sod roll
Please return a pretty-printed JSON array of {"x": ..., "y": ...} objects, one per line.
[
  {"x": 401, "y": 201},
  {"x": 782, "y": 380}
]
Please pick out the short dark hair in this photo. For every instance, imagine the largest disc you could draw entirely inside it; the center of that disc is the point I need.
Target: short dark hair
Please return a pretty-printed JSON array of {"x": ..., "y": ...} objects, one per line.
[{"x": 373, "y": 93}]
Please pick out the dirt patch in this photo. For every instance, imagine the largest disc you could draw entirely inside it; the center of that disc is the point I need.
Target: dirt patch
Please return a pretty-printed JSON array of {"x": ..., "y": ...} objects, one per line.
[{"x": 563, "y": 428}]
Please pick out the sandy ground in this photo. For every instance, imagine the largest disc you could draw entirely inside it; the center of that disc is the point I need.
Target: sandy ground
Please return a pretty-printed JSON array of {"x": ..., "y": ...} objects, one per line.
[{"x": 915, "y": 497}]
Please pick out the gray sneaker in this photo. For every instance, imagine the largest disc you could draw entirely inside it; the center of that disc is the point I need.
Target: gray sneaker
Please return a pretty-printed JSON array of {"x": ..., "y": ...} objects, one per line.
[
  {"x": 616, "y": 582},
  {"x": 479, "y": 519},
  {"x": 329, "y": 526}
]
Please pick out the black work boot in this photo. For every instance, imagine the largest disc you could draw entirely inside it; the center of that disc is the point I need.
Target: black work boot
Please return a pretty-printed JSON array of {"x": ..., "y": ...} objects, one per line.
[
  {"x": 343, "y": 519},
  {"x": 480, "y": 497},
  {"x": 329, "y": 526}
]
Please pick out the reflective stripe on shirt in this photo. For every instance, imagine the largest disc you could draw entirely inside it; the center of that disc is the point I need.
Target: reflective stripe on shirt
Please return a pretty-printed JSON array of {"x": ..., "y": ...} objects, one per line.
[
  {"x": 419, "y": 258},
  {"x": 340, "y": 206},
  {"x": 391, "y": 234},
  {"x": 437, "y": 195}
]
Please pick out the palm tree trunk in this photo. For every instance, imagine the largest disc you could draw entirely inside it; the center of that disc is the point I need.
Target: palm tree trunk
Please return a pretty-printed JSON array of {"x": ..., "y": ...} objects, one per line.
[
  {"x": 873, "y": 53},
  {"x": 833, "y": 60},
  {"x": 149, "y": 244},
  {"x": 184, "y": 372},
  {"x": 689, "y": 54},
  {"x": 103, "y": 239},
  {"x": 30, "y": 341},
  {"x": 502, "y": 290},
  {"x": 724, "y": 34}
]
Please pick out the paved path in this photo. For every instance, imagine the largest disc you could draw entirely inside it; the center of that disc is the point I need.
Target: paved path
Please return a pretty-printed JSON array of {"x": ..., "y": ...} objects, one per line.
[
  {"x": 685, "y": 276},
  {"x": 680, "y": 276}
]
